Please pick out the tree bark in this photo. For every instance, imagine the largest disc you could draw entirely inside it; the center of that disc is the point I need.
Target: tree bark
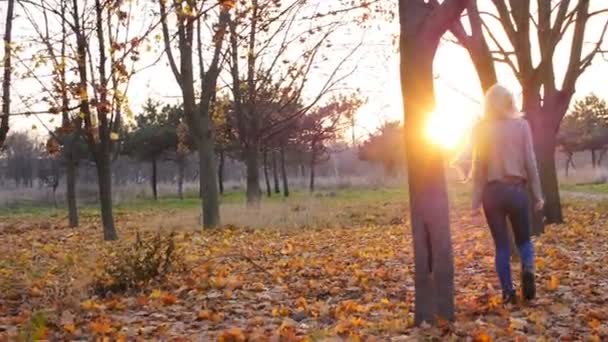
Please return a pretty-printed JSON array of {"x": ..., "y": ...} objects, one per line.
[
  {"x": 313, "y": 155},
  {"x": 220, "y": 173},
  {"x": 593, "y": 159},
  {"x": 545, "y": 143},
  {"x": 153, "y": 180},
  {"x": 6, "y": 82},
  {"x": 275, "y": 175},
  {"x": 422, "y": 26},
  {"x": 211, "y": 201},
  {"x": 284, "y": 173},
  {"x": 254, "y": 193},
  {"x": 104, "y": 181},
  {"x": 544, "y": 121},
  {"x": 266, "y": 177},
  {"x": 70, "y": 182},
  {"x": 181, "y": 168}
]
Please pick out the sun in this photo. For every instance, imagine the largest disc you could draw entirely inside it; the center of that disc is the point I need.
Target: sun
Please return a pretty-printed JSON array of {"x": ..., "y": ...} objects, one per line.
[{"x": 448, "y": 129}]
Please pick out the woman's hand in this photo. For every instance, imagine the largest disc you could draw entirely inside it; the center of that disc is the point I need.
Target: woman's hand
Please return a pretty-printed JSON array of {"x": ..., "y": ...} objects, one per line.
[{"x": 540, "y": 205}]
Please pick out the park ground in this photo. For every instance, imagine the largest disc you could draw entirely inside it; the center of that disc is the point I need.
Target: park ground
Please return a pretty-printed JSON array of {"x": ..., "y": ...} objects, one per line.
[{"x": 337, "y": 265}]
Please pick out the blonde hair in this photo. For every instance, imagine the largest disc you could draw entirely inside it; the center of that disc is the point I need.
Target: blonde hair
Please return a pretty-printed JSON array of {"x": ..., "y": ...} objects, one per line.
[{"x": 499, "y": 103}]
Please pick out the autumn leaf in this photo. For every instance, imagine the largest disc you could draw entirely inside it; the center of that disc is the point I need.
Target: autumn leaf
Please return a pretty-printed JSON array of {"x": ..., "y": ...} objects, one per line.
[
  {"x": 203, "y": 315},
  {"x": 553, "y": 283},
  {"x": 69, "y": 328},
  {"x": 232, "y": 335},
  {"x": 168, "y": 298},
  {"x": 101, "y": 326},
  {"x": 482, "y": 337}
]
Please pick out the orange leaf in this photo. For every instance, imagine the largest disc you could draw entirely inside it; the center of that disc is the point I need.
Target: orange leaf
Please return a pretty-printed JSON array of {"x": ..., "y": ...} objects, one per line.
[
  {"x": 482, "y": 337},
  {"x": 594, "y": 324},
  {"x": 203, "y": 315},
  {"x": 168, "y": 299},
  {"x": 553, "y": 283},
  {"x": 101, "y": 326},
  {"x": 69, "y": 328},
  {"x": 232, "y": 335}
]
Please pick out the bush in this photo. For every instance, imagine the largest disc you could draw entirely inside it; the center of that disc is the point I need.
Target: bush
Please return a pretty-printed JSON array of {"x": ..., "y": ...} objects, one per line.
[{"x": 139, "y": 264}]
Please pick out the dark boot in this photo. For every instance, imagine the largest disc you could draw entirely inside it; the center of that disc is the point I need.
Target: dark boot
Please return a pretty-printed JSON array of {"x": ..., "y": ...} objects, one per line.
[{"x": 527, "y": 284}]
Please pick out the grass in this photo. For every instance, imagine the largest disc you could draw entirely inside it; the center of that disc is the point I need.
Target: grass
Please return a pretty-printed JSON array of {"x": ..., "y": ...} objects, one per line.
[
  {"x": 590, "y": 188},
  {"x": 233, "y": 202},
  {"x": 25, "y": 209}
]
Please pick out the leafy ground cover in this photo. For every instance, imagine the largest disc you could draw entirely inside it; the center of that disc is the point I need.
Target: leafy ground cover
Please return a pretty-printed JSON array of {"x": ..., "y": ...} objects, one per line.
[{"x": 348, "y": 275}]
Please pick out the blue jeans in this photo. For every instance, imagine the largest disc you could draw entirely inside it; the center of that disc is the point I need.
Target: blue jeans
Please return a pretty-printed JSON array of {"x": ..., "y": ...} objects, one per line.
[{"x": 502, "y": 201}]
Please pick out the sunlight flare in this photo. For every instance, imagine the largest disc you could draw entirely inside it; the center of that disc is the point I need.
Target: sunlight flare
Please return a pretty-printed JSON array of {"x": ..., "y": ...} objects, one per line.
[{"x": 448, "y": 129}]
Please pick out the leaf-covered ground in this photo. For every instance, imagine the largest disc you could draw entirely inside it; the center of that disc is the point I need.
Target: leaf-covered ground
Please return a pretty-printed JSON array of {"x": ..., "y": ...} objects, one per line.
[{"x": 330, "y": 280}]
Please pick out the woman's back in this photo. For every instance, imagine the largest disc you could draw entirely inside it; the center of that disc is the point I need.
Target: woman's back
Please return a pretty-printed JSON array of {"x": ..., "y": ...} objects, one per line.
[{"x": 504, "y": 150}]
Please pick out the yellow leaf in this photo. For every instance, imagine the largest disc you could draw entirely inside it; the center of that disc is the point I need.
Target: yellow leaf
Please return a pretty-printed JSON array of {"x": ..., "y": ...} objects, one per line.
[
  {"x": 70, "y": 328},
  {"x": 114, "y": 136},
  {"x": 156, "y": 294},
  {"x": 553, "y": 283}
]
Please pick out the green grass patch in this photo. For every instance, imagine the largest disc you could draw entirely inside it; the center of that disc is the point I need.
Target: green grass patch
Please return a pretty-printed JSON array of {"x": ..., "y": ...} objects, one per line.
[{"x": 591, "y": 188}]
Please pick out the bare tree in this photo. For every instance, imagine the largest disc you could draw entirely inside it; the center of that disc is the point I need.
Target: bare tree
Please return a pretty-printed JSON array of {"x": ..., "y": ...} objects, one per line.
[
  {"x": 6, "y": 81},
  {"x": 544, "y": 101},
  {"x": 277, "y": 56},
  {"x": 189, "y": 17},
  {"x": 422, "y": 26}
]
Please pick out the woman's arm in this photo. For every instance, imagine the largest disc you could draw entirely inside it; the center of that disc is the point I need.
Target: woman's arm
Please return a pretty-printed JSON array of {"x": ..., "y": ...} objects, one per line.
[{"x": 531, "y": 168}]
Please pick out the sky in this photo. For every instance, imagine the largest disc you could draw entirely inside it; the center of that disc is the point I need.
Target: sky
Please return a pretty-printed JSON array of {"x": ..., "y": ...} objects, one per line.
[{"x": 377, "y": 73}]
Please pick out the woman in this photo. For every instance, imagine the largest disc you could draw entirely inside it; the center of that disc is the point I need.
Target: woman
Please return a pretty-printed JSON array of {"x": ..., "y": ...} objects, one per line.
[{"x": 503, "y": 165}]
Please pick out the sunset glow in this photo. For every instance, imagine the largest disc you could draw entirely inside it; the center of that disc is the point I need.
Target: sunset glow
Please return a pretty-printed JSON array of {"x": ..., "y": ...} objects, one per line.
[{"x": 448, "y": 129}]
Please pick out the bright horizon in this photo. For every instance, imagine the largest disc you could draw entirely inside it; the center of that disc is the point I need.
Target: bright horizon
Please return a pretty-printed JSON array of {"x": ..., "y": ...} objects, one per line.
[{"x": 458, "y": 92}]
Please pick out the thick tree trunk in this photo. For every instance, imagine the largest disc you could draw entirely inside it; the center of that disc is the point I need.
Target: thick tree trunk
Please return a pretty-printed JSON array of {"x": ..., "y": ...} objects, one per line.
[
  {"x": 544, "y": 143},
  {"x": 254, "y": 193},
  {"x": 545, "y": 124},
  {"x": 104, "y": 180},
  {"x": 429, "y": 207},
  {"x": 154, "y": 181},
  {"x": 220, "y": 173},
  {"x": 266, "y": 177},
  {"x": 6, "y": 81},
  {"x": 284, "y": 173},
  {"x": 70, "y": 169},
  {"x": 593, "y": 159},
  {"x": 275, "y": 175},
  {"x": 208, "y": 181}
]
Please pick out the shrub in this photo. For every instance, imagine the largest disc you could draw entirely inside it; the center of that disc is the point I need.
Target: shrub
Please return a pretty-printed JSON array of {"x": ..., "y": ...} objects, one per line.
[{"x": 144, "y": 261}]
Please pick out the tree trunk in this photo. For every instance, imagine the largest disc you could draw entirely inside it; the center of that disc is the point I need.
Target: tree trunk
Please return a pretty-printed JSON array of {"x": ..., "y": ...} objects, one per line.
[
  {"x": 254, "y": 193},
  {"x": 153, "y": 180},
  {"x": 311, "y": 185},
  {"x": 104, "y": 180},
  {"x": 275, "y": 175},
  {"x": 593, "y": 159},
  {"x": 421, "y": 31},
  {"x": 208, "y": 181},
  {"x": 181, "y": 168},
  {"x": 266, "y": 177},
  {"x": 544, "y": 144},
  {"x": 70, "y": 169},
  {"x": 220, "y": 173},
  {"x": 284, "y": 173},
  {"x": 6, "y": 81}
]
